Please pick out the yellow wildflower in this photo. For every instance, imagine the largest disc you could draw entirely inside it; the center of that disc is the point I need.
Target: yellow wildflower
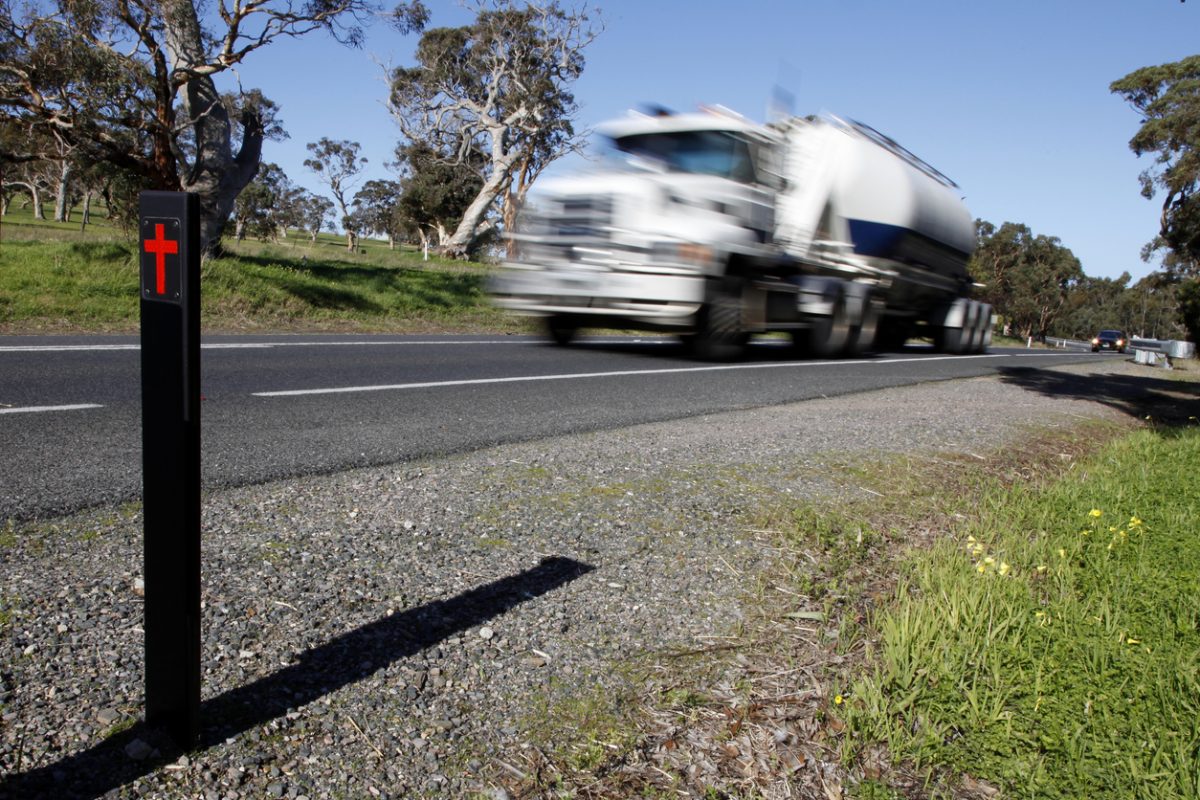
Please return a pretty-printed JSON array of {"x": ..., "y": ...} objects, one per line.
[
  {"x": 1062, "y": 552},
  {"x": 1095, "y": 513},
  {"x": 1004, "y": 568},
  {"x": 838, "y": 700},
  {"x": 980, "y": 567},
  {"x": 1042, "y": 568},
  {"x": 1131, "y": 640},
  {"x": 1134, "y": 522},
  {"x": 989, "y": 560}
]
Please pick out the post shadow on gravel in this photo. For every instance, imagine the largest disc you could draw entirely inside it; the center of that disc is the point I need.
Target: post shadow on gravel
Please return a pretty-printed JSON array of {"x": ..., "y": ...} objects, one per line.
[
  {"x": 317, "y": 672},
  {"x": 1169, "y": 403}
]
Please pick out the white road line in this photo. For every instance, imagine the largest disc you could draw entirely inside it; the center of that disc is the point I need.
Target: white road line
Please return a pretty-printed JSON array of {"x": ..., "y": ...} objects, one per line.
[
  {"x": 613, "y": 374},
  {"x": 63, "y": 348},
  {"x": 40, "y": 409}
]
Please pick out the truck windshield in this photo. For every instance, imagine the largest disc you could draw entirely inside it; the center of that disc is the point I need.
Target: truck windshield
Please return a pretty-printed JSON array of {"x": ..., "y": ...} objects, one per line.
[{"x": 701, "y": 152}]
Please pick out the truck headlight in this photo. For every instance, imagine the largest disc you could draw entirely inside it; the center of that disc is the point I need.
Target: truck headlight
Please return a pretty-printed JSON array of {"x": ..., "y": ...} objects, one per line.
[{"x": 682, "y": 253}]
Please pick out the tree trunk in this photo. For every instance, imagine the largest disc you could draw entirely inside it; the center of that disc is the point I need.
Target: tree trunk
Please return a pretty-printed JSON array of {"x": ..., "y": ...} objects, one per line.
[
  {"x": 468, "y": 228},
  {"x": 514, "y": 201},
  {"x": 217, "y": 176},
  {"x": 36, "y": 196},
  {"x": 86, "y": 215},
  {"x": 62, "y": 210}
]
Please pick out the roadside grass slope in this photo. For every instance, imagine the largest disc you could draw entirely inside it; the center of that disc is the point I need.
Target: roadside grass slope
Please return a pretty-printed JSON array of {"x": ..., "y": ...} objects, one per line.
[
  {"x": 1025, "y": 624},
  {"x": 56, "y": 278}
]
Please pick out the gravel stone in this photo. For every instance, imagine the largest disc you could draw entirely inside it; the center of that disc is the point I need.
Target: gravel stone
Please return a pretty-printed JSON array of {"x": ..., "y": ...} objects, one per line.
[{"x": 370, "y": 633}]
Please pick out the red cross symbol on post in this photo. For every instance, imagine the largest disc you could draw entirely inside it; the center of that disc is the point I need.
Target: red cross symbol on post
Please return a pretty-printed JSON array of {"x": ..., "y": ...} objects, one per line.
[{"x": 161, "y": 247}]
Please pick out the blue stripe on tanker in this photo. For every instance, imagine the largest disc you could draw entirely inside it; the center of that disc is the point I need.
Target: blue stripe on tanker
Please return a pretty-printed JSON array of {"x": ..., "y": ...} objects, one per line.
[{"x": 881, "y": 240}]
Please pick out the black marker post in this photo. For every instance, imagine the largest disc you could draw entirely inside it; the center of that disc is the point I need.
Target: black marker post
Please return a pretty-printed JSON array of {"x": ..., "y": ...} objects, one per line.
[{"x": 169, "y": 235}]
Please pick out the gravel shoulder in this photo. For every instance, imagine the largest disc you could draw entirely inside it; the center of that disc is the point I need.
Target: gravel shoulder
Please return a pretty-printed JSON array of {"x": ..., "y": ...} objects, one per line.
[{"x": 392, "y": 631}]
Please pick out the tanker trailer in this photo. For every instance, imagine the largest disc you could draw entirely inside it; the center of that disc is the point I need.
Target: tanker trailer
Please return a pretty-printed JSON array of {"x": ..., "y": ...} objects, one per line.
[
  {"x": 716, "y": 228},
  {"x": 847, "y": 185}
]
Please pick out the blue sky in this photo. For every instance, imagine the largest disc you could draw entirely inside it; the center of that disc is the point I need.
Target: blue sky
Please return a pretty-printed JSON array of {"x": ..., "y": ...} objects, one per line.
[{"x": 1010, "y": 99}]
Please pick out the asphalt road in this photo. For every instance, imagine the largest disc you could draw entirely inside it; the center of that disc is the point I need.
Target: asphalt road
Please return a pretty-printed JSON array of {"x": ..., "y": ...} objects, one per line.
[{"x": 289, "y": 405}]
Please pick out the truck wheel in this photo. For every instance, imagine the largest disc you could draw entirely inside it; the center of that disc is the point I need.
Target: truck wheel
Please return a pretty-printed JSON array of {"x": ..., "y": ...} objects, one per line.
[
  {"x": 829, "y": 335},
  {"x": 562, "y": 329},
  {"x": 987, "y": 321},
  {"x": 954, "y": 334},
  {"x": 719, "y": 335},
  {"x": 981, "y": 333},
  {"x": 862, "y": 335}
]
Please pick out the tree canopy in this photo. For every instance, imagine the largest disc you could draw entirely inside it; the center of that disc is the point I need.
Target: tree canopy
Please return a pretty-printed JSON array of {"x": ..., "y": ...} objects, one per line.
[
  {"x": 434, "y": 192},
  {"x": 1027, "y": 278},
  {"x": 338, "y": 164},
  {"x": 1168, "y": 99},
  {"x": 131, "y": 84},
  {"x": 500, "y": 88}
]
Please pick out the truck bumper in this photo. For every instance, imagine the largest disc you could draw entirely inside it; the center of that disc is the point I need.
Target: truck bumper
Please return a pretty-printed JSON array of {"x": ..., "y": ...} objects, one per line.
[{"x": 648, "y": 299}]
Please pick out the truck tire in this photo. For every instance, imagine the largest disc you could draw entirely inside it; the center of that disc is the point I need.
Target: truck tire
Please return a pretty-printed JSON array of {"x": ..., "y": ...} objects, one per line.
[
  {"x": 561, "y": 329},
  {"x": 862, "y": 335},
  {"x": 987, "y": 321},
  {"x": 719, "y": 335},
  {"x": 829, "y": 335},
  {"x": 981, "y": 329},
  {"x": 953, "y": 333}
]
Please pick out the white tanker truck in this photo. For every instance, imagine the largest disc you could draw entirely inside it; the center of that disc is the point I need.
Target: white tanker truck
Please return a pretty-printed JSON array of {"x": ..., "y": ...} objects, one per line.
[{"x": 715, "y": 228}]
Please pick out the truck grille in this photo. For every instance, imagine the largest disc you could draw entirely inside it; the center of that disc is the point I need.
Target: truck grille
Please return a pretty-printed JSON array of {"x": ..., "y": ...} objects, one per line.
[{"x": 587, "y": 217}]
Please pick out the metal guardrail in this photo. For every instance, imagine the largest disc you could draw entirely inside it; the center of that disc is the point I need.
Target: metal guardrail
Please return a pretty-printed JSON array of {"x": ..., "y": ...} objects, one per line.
[
  {"x": 1067, "y": 344},
  {"x": 1155, "y": 350},
  {"x": 1152, "y": 351},
  {"x": 1161, "y": 348},
  {"x": 1171, "y": 348}
]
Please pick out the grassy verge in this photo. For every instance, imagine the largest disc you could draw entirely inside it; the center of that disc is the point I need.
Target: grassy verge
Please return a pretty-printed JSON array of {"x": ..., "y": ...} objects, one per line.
[
  {"x": 54, "y": 278},
  {"x": 1025, "y": 624},
  {"x": 1050, "y": 646}
]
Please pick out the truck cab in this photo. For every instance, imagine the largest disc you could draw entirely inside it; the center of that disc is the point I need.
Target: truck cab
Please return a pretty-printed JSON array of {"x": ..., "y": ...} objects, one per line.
[{"x": 634, "y": 242}]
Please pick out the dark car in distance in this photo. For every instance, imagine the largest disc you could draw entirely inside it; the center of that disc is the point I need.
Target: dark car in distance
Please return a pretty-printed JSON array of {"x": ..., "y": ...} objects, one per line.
[{"x": 1110, "y": 340}]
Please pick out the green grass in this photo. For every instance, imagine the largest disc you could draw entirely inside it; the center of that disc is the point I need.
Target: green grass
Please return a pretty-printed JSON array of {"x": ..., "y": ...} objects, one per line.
[
  {"x": 55, "y": 278},
  {"x": 1052, "y": 648}
]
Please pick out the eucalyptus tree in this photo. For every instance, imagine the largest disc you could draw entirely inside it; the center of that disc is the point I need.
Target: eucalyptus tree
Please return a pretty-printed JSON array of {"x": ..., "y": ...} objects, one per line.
[
  {"x": 375, "y": 209},
  {"x": 435, "y": 192},
  {"x": 312, "y": 212},
  {"x": 1167, "y": 97},
  {"x": 268, "y": 205},
  {"x": 132, "y": 83},
  {"x": 501, "y": 87},
  {"x": 1027, "y": 278},
  {"x": 338, "y": 164}
]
